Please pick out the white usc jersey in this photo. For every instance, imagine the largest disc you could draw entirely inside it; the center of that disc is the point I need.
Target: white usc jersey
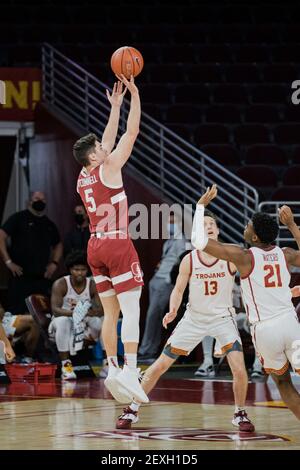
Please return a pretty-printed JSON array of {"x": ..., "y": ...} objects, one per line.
[
  {"x": 210, "y": 286},
  {"x": 265, "y": 291},
  {"x": 72, "y": 297}
]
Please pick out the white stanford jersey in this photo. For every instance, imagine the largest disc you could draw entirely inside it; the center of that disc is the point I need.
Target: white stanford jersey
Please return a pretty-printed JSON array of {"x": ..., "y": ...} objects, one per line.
[
  {"x": 71, "y": 298},
  {"x": 265, "y": 290},
  {"x": 106, "y": 205},
  {"x": 210, "y": 286}
]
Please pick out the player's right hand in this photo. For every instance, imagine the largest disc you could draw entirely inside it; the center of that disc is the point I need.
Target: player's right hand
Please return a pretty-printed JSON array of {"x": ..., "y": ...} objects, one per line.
[
  {"x": 169, "y": 317},
  {"x": 15, "y": 269},
  {"x": 286, "y": 215},
  {"x": 129, "y": 84}
]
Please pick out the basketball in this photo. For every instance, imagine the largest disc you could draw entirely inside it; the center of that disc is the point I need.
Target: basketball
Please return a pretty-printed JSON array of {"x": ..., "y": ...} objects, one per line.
[{"x": 127, "y": 61}]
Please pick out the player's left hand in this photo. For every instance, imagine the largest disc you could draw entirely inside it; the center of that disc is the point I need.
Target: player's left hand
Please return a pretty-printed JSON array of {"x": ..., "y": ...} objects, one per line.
[
  {"x": 168, "y": 318},
  {"x": 50, "y": 270},
  {"x": 286, "y": 215},
  {"x": 209, "y": 195},
  {"x": 117, "y": 95}
]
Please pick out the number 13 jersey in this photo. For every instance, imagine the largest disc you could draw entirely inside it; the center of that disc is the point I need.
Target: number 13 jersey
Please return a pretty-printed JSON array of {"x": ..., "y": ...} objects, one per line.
[
  {"x": 210, "y": 286},
  {"x": 265, "y": 291}
]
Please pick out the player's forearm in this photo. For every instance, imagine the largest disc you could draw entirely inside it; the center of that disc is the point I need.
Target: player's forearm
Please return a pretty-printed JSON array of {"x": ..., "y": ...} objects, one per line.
[
  {"x": 294, "y": 229},
  {"x": 199, "y": 238},
  {"x": 134, "y": 116},
  {"x": 175, "y": 300},
  {"x": 110, "y": 133},
  {"x": 61, "y": 312}
]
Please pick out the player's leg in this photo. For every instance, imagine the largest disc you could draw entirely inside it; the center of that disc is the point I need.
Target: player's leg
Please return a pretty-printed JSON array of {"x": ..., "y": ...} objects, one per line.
[
  {"x": 226, "y": 332},
  {"x": 287, "y": 391},
  {"x": 186, "y": 336},
  {"x": 111, "y": 310},
  {"x": 150, "y": 378},
  {"x": 62, "y": 329},
  {"x": 29, "y": 330},
  {"x": 206, "y": 369}
]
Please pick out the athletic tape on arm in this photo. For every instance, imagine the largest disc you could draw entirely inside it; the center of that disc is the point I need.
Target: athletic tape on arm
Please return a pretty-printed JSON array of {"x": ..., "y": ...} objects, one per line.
[{"x": 199, "y": 238}]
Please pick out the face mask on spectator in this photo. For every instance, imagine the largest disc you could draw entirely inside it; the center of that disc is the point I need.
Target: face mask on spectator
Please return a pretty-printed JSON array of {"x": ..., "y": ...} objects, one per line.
[
  {"x": 79, "y": 219},
  {"x": 172, "y": 229},
  {"x": 38, "y": 206}
]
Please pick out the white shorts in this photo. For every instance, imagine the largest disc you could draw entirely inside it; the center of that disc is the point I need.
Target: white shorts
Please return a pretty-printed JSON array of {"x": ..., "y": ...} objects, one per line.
[
  {"x": 9, "y": 322},
  {"x": 92, "y": 327},
  {"x": 193, "y": 327},
  {"x": 277, "y": 343}
]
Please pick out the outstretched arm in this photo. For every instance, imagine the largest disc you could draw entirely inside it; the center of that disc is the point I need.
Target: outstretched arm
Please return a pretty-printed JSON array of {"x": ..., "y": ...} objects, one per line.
[
  {"x": 117, "y": 159},
  {"x": 287, "y": 218},
  {"x": 177, "y": 293},
  {"x": 111, "y": 130},
  {"x": 226, "y": 251}
]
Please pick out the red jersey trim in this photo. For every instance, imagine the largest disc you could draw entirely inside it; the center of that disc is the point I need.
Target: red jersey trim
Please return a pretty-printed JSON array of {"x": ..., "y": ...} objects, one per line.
[
  {"x": 191, "y": 264},
  {"x": 204, "y": 264},
  {"x": 233, "y": 273},
  {"x": 253, "y": 298},
  {"x": 252, "y": 265}
]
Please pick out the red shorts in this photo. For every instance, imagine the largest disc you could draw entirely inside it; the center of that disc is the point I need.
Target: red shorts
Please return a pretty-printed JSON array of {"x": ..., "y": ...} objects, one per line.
[{"x": 115, "y": 264}]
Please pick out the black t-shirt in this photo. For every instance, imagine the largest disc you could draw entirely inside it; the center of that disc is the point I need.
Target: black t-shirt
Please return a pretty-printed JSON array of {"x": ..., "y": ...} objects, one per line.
[
  {"x": 32, "y": 239},
  {"x": 77, "y": 239}
]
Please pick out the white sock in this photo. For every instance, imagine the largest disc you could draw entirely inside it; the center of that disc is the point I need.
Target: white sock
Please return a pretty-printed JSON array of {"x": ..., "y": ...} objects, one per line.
[
  {"x": 112, "y": 361},
  {"x": 130, "y": 360},
  {"x": 65, "y": 361},
  {"x": 135, "y": 406},
  {"x": 239, "y": 408}
]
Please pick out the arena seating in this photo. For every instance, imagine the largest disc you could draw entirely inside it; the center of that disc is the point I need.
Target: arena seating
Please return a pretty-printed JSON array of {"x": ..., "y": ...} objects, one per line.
[{"x": 217, "y": 75}]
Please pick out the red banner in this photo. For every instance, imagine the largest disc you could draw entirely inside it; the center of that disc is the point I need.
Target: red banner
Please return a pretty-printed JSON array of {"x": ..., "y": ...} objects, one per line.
[{"x": 20, "y": 91}]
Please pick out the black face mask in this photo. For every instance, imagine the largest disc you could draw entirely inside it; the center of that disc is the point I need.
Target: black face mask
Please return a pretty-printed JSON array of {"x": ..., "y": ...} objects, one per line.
[
  {"x": 38, "y": 206},
  {"x": 79, "y": 219}
]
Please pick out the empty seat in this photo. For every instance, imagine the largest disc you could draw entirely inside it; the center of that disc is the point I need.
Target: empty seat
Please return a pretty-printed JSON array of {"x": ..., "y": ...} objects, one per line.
[
  {"x": 291, "y": 176},
  {"x": 222, "y": 153},
  {"x": 181, "y": 130},
  {"x": 167, "y": 73},
  {"x": 223, "y": 113},
  {"x": 182, "y": 114},
  {"x": 267, "y": 13},
  {"x": 258, "y": 175},
  {"x": 204, "y": 73},
  {"x": 155, "y": 94},
  {"x": 188, "y": 34},
  {"x": 292, "y": 113},
  {"x": 286, "y": 53},
  {"x": 214, "y": 54},
  {"x": 230, "y": 94},
  {"x": 151, "y": 34},
  {"x": 270, "y": 94},
  {"x": 279, "y": 73},
  {"x": 179, "y": 54},
  {"x": 251, "y": 54},
  {"x": 227, "y": 34},
  {"x": 262, "y": 34},
  {"x": 262, "y": 113},
  {"x": 265, "y": 155},
  {"x": 211, "y": 133},
  {"x": 251, "y": 134},
  {"x": 156, "y": 112},
  {"x": 287, "y": 134},
  {"x": 286, "y": 194},
  {"x": 242, "y": 73},
  {"x": 199, "y": 94},
  {"x": 296, "y": 155}
]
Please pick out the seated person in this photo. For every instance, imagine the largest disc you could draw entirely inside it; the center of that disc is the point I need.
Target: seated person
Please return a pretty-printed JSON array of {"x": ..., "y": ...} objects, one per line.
[
  {"x": 72, "y": 295},
  {"x": 7, "y": 353},
  {"x": 21, "y": 327}
]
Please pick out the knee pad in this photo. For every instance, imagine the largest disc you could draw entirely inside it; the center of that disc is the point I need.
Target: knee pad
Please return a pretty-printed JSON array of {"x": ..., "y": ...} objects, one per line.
[{"x": 130, "y": 307}]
